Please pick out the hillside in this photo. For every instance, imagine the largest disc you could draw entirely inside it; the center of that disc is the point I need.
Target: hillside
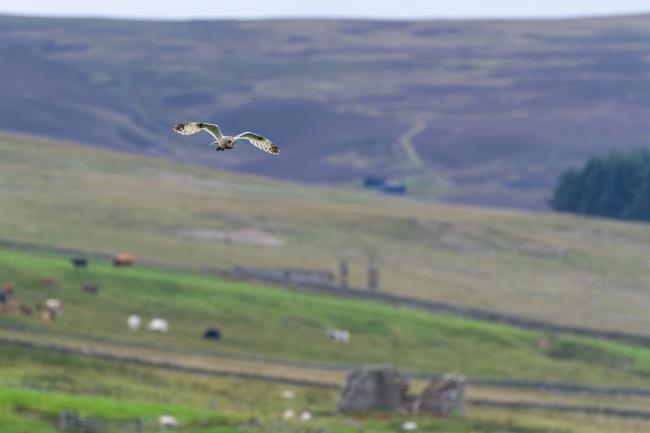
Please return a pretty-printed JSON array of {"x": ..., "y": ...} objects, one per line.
[
  {"x": 287, "y": 324},
  {"x": 486, "y": 112},
  {"x": 557, "y": 268},
  {"x": 53, "y": 382},
  {"x": 275, "y": 322}
]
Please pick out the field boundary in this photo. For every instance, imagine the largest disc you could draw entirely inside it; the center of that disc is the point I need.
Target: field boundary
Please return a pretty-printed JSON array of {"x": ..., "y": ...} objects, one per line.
[
  {"x": 161, "y": 363},
  {"x": 178, "y": 366},
  {"x": 434, "y": 306},
  {"x": 562, "y": 407},
  {"x": 555, "y": 387}
]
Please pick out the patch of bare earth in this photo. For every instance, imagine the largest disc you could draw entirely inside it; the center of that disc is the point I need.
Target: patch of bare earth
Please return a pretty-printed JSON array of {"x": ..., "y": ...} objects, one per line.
[{"x": 245, "y": 236}]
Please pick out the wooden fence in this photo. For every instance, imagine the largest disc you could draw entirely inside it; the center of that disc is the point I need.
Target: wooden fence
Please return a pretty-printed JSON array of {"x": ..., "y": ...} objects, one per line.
[
  {"x": 71, "y": 421},
  {"x": 103, "y": 426},
  {"x": 280, "y": 277}
]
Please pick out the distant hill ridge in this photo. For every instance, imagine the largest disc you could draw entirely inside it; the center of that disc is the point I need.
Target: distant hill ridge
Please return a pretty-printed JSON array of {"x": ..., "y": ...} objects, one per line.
[{"x": 480, "y": 112}]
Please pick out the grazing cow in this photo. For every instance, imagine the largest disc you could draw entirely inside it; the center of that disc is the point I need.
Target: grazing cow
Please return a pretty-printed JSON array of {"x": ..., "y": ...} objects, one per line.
[
  {"x": 49, "y": 281},
  {"x": 159, "y": 325},
  {"x": 54, "y": 304},
  {"x": 134, "y": 322},
  {"x": 26, "y": 310},
  {"x": 212, "y": 334},
  {"x": 52, "y": 309},
  {"x": 89, "y": 288},
  {"x": 8, "y": 289},
  {"x": 123, "y": 260},
  {"x": 8, "y": 307},
  {"x": 168, "y": 422},
  {"x": 340, "y": 336},
  {"x": 79, "y": 262}
]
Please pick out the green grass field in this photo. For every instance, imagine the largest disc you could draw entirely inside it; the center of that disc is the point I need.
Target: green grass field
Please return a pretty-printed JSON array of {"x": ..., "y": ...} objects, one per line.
[
  {"x": 570, "y": 270},
  {"x": 553, "y": 267},
  {"x": 285, "y": 323},
  {"x": 35, "y": 385}
]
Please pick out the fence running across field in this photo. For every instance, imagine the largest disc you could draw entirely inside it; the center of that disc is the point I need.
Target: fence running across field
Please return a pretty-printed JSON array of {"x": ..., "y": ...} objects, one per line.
[
  {"x": 178, "y": 366},
  {"x": 72, "y": 422},
  {"x": 561, "y": 388},
  {"x": 280, "y": 278},
  {"x": 283, "y": 276}
]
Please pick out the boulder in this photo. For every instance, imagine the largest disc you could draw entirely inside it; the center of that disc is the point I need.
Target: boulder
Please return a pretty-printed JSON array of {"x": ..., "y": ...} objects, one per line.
[
  {"x": 443, "y": 396},
  {"x": 379, "y": 388}
]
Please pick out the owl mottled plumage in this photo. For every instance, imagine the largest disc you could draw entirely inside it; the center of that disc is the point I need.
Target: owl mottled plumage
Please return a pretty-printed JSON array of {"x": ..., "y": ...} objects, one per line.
[{"x": 227, "y": 142}]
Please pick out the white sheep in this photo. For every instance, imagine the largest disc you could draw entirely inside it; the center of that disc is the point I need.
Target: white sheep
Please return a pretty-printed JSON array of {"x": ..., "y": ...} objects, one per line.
[
  {"x": 288, "y": 414},
  {"x": 159, "y": 325},
  {"x": 52, "y": 309},
  {"x": 340, "y": 336},
  {"x": 288, "y": 394},
  {"x": 168, "y": 422},
  {"x": 409, "y": 426},
  {"x": 305, "y": 416},
  {"x": 134, "y": 322},
  {"x": 53, "y": 304}
]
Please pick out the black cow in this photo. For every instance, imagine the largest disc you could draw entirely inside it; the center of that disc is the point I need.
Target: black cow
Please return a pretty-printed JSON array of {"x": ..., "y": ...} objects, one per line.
[
  {"x": 89, "y": 288},
  {"x": 212, "y": 334},
  {"x": 79, "y": 262}
]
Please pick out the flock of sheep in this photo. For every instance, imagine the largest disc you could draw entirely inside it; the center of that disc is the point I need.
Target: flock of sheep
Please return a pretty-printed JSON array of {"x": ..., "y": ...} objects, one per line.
[
  {"x": 290, "y": 413},
  {"x": 52, "y": 308},
  {"x": 134, "y": 322}
]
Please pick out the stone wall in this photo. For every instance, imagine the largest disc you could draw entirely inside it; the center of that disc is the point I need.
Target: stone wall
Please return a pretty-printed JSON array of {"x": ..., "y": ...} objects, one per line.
[
  {"x": 367, "y": 389},
  {"x": 443, "y": 396},
  {"x": 386, "y": 389}
]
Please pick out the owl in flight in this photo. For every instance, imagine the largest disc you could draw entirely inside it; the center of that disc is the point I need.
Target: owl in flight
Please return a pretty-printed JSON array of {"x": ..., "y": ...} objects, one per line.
[{"x": 227, "y": 142}]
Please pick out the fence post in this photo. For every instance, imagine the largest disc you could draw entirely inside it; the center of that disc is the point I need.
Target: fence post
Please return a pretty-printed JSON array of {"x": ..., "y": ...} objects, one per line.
[
  {"x": 343, "y": 272},
  {"x": 63, "y": 420},
  {"x": 373, "y": 278},
  {"x": 89, "y": 425}
]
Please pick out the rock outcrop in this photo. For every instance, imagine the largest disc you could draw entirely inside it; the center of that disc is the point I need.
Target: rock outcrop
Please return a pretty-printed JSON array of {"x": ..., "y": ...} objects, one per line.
[{"x": 386, "y": 389}]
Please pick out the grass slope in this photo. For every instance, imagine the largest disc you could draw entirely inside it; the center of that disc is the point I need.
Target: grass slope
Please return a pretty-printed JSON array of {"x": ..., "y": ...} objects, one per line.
[
  {"x": 285, "y": 323},
  {"x": 36, "y": 384},
  {"x": 552, "y": 267}
]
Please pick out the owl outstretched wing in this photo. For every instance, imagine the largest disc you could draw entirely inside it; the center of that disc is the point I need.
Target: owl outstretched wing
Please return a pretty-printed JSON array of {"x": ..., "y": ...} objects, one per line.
[
  {"x": 190, "y": 128},
  {"x": 260, "y": 142}
]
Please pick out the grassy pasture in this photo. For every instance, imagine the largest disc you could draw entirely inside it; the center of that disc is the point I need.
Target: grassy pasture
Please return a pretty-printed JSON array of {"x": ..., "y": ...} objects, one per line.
[
  {"x": 558, "y": 268},
  {"x": 36, "y": 384},
  {"x": 286, "y": 323}
]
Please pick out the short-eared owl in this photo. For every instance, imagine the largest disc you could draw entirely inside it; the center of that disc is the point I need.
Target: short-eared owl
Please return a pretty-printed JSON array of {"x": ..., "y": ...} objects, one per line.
[{"x": 227, "y": 142}]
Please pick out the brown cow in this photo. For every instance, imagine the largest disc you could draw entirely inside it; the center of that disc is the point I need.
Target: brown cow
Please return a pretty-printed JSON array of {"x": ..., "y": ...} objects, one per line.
[
  {"x": 26, "y": 310},
  {"x": 49, "y": 281},
  {"x": 123, "y": 260},
  {"x": 8, "y": 307},
  {"x": 8, "y": 288}
]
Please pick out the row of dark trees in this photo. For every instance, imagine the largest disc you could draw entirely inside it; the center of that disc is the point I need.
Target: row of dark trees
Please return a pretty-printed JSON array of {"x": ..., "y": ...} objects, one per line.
[{"x": 613, "y": 186}]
